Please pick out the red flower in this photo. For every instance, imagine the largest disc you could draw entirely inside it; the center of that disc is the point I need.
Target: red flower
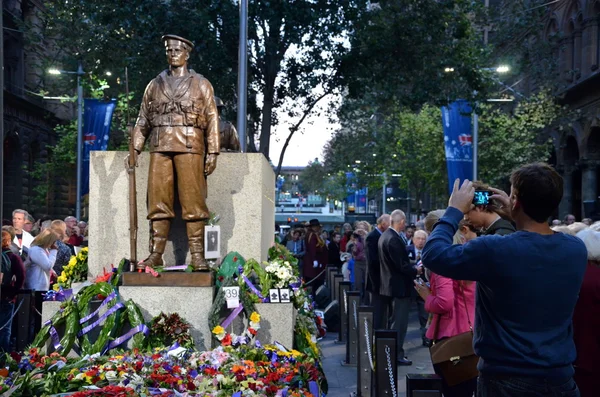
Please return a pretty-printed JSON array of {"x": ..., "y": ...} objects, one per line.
[
  {"x": 252, "y": 331},
  {"x": 226, "y": 340},
  {"x": 190, "y": 386},
  {"x": 16, "y": 357},
  {"x": 210, "y": 371},
  {"x": 235, "y": 258},
  {"x": 221, "y": 278}
]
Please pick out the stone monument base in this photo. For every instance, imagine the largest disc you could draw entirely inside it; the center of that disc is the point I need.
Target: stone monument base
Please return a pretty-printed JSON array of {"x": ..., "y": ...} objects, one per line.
[
  {"x": 191, "y": 303},
  {"x": 277, "y": 323}
]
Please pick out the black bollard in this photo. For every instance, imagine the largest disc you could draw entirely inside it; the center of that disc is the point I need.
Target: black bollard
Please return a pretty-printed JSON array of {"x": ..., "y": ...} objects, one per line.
[
  {"x": 386, "y": 366},
  {"x": 353, "y": 298},
  {"x": 364, "y": 346},
  {"x": 423, "y": 385},
  {"x": 337, "y": 279},
  {"x": 343, "y": 289},
  {"x": 332, "y": 270}
]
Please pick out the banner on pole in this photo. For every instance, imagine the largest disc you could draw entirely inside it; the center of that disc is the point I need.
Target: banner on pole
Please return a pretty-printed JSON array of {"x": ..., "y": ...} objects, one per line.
[
  {"x": 458, "y": 141},
  {"x": 97, "y": 117}
]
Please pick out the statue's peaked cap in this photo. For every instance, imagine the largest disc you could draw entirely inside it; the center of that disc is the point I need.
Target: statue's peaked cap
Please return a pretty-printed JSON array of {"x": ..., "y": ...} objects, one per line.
[{"x": 178, "y": 38}]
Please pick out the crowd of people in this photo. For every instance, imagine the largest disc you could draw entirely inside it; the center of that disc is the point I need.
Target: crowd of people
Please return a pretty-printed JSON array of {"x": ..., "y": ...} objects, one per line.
[
  {"x": 33, "y": 255},
  {"x": 525, "y": 287}
]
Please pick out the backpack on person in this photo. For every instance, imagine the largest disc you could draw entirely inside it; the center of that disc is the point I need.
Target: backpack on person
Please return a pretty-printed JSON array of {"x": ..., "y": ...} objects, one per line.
[{"x": 6, "y": 268}]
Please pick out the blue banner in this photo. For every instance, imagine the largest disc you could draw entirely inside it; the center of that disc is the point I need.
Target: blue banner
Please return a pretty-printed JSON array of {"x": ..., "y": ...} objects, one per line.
[
  {"x": 97, "y": 116},
  {"x": 458, "y": 141}
]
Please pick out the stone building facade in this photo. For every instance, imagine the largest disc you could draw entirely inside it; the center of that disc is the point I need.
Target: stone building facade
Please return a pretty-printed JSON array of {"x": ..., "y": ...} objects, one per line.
[
  {"x": 576, "y": 26},
  {"x": 29, "y": 120}
]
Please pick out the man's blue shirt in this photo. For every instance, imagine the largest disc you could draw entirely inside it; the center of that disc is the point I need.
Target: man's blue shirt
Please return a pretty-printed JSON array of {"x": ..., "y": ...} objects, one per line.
[{"x": 527, "y": 287}]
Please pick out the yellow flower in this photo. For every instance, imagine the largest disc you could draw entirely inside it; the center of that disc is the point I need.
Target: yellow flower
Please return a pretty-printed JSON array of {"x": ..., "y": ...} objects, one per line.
[
  {"x": 296, "y": 353},
  {"x": 255, "y": 317},
  {"x": 72, "y": 261},
  {"x": 85, "y": 249},
  {"x": 218, "y": 330},
  {"x": 56, "y": 287}
]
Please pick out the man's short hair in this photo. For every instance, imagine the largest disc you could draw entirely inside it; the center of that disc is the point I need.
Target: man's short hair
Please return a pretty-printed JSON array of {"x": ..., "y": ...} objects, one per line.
[
  {"x": 421, "y": 233},
  {"x": 30, "y": 218},
  {"x": 397, "y": 216},
  {"x": 334, "y": 234},
  {"x": 539, "y": 189},
  {"x": 296, "y": 231},
  {"x": 19, "y": 211},
  {"x": 383, "y": 218},
  {"x": 70, "y": 218}
]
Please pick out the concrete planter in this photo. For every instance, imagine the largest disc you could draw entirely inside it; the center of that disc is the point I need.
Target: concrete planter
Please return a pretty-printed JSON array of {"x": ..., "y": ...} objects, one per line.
[{"x": 277, "y": 323}]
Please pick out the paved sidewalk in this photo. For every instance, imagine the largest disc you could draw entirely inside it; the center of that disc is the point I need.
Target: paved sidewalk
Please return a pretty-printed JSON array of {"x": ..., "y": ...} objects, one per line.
[{"x": 342, "y": 380}]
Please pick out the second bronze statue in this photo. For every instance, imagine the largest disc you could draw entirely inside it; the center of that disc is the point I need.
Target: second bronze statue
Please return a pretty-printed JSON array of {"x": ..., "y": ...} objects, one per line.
[{"x": 179, "y": 118}]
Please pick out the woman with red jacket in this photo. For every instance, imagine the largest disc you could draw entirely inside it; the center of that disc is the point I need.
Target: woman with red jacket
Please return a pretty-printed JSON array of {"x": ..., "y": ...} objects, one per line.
[
  {"x": 316, "y": 256},
  {"x": 586, "y": 320},
  {"x": 452, "y": 304}
]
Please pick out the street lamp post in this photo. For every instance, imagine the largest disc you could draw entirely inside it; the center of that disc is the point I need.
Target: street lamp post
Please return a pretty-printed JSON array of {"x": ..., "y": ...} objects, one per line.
[{"x": 79, "y": 73}]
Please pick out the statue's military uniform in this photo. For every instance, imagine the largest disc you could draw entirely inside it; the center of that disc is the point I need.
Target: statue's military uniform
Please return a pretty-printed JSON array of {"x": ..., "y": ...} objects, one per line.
[{"x": 179, "y": 119}]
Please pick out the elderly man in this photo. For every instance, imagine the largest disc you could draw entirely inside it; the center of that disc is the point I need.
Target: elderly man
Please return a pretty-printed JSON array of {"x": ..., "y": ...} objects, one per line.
[
  {"x": 397, "y": 275},
  {"x": 179, "y": 117},
  {"x": 22, "y": 238},
  {"x": 415, "y": 251},
  {"x": 373, "y": 279}
]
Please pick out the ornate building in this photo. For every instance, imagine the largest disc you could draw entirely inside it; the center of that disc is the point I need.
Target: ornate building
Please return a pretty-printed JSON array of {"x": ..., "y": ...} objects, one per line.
[
  {"x": 28, "y": 122},
  {"x": 575, "y": 24}
]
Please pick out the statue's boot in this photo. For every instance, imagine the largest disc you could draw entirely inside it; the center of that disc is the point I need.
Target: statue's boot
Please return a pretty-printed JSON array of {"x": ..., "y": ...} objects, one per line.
[
  {"x": 195, "y": 232},
  {"x": 159, "y": 233}
]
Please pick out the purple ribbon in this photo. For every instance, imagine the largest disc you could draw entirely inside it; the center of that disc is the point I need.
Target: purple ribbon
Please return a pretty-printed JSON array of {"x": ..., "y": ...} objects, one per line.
[
  {"x": 95, "y": 313},
  {"x": 58, "y": 296},
  {"x": 237, "y": 394},
  {"x": 254, "y": 289},
  {"x": 124, "y": 338},
  {"x": 102, "y": 318},
  {"x": 232, "y": 315},
  {"x": 313, "y": 387},
  {"x": 54, "y": 336}
]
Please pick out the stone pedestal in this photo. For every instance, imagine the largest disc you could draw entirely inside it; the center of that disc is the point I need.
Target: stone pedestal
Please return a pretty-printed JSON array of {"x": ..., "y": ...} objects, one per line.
[
  {"x": 241, "y": 191},
  {"x": 191, "y": 303},
  {"x": 277, "y": 323}
]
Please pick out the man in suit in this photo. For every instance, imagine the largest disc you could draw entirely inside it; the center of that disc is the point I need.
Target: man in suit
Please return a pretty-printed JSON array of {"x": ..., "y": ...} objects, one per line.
[
  {"x": 372, "y": 282},
  {"x": 397, "y": 275},
  {"x": 415, "y": 250}
]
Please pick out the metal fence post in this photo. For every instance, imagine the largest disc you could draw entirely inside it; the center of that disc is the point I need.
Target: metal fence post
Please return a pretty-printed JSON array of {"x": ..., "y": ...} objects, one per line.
[
  {"x": 353, "y": 298},
  {"x": 364, "y": 346},
  {"x": 343, "y": 289},
  {"x": 386, "y": 367}
]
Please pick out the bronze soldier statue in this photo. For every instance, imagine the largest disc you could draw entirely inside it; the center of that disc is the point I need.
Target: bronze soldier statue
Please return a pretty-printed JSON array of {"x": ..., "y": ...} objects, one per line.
[
  {"x": 179, "y": 118},
  {"x": 230, "y": 141}
]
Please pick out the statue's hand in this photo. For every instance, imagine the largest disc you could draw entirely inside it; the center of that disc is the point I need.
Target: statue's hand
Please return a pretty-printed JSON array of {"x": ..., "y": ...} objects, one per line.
[
  {"x": 135, "y": 159},
  {"x": 210, "y": 164}
]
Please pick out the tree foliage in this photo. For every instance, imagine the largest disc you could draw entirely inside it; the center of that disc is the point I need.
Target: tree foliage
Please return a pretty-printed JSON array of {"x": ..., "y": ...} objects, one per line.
[
  {"x": 313, "y": 177},
  {"x": 401, "y": 49}
]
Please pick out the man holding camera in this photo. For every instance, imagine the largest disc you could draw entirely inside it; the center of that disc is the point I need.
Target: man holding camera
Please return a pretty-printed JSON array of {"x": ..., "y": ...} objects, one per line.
[
  {"x": 485, "y": 217},
  {"x": 523, "y": 352}
]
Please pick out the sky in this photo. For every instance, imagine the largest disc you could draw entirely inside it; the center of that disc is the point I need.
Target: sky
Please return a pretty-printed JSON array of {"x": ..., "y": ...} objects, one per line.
[{"x": 306, "y": 144}]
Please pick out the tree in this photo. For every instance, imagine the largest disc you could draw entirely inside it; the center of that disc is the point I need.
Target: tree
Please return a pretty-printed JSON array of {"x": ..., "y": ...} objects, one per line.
[
  {"x": 510, "y": 139},
  {"x": 313, "y": 177},
  {"x": 296, "y": 49},
  {"x": 401, "y": 50}
]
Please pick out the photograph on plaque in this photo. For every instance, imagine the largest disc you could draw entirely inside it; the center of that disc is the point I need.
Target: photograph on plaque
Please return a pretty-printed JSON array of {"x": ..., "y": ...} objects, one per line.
[
  {"x": 212, "y": 242},
  {"x": 274, "y": 295}
]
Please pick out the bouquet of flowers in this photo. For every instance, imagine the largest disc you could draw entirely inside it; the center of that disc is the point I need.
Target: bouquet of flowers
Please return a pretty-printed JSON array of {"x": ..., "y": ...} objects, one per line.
[
  {"x": 168, "y": 329},
  {"x": 75, "y": 271},
  {"x": 231, "y": 339},
  {"x": 281, "y": 273}
]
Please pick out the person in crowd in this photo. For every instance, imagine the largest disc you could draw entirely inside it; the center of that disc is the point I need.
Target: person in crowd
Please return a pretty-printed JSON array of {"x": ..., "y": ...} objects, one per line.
[
  {"x": 297, "y": 248},
  {"x": 556, "y": 222},
  {"x": 452, "y": 305},
  {"x": 346, "y": 234},
  {"x": 71, "y": 222},
  {"x": 397, "y": 276},
  {"x": 75, "y": 239},
  {"x": 467, "y": 231},
  {"x": 486, "y": 218},
  {"x": 334, "y": 251},
  {"x": 13, "y": 247},
  {"x": 22, "y": 238},
  {"x": 325, "y": 236},
  {"x": 527, "y": 286},
  {"x": 13, "y": 278},
  {"x": 64, "y": 252},
  {"x": 45, "y": 225},
  {"x": 586, "y": 319},
  {"x": 576, "y": 227},
  {"x": 420, "y": 225},
  {"x": 408, "y": 234},
  {"x": 569, "y": 219},
  {"x": 373, "y": 279},
  {"x": 587, "y": 221},
  {"x": 29, "y": 223},
  {"x": 316, "y": 255},
  {"x": 39, "y": 264},
  {"x": 364, "y": 225},
  {"x": 415, "y": 251},
  {"x": 360, "y": 261}
]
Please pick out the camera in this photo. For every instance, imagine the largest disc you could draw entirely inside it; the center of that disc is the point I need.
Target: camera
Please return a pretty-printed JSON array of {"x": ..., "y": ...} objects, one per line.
[{"x": 482, "y": 197}]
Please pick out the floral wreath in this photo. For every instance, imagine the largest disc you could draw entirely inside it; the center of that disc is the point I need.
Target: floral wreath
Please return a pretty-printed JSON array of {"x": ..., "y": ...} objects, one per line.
[{"x": 246, "y": 337}]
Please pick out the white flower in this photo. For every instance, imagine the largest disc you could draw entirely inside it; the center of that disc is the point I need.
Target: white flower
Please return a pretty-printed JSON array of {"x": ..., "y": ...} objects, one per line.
[{"x": 111, "y": 376}]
